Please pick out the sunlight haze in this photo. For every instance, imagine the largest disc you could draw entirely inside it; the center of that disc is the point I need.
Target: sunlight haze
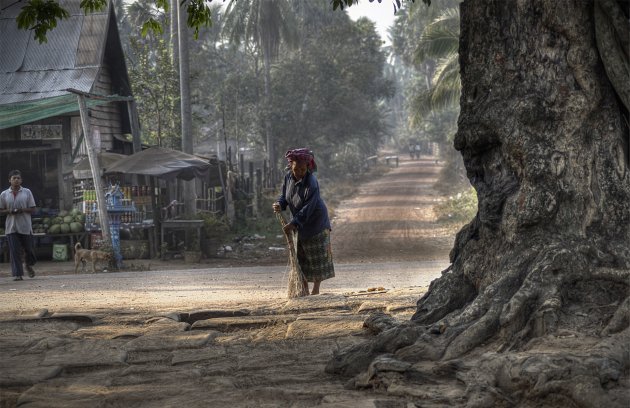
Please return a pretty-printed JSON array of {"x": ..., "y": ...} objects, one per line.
[{"x": 380, "y": 13}]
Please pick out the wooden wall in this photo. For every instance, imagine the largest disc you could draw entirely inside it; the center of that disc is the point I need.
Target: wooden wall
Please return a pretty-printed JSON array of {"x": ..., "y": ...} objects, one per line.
[{"x": 107, "y": 117}]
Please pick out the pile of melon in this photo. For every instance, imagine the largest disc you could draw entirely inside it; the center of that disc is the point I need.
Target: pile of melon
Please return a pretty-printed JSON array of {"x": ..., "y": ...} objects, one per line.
[{"x": 65, "y": 222}]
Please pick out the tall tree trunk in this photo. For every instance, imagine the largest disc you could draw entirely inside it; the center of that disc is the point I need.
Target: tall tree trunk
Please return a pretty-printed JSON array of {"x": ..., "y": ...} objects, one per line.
[
  {"x": 174, "y": 37},
  {"x": 184, "y": 84},
  {"x": 271, "y": 143},
  {"x": 544, "y": 143}
]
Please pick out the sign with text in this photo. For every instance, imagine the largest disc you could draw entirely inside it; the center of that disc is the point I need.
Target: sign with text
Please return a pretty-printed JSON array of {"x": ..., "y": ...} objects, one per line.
[{"x": 41, "y": 132}]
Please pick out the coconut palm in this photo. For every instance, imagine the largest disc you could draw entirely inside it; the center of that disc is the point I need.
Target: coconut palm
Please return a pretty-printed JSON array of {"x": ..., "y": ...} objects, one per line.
[
  {"x": 264, "y": 24},
  {"x": 439, "y": 42}
]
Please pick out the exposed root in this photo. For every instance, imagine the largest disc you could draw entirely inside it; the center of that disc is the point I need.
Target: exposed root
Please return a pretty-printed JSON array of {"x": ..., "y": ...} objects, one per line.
[
  {"x": 544, "y": 311},
  {"x": 474, "y": 335},
  {"x": 357, "y": 358},
  {"x": 611, "y": 274},
  {"x": 547, "y": 378},
  {"x": 620, "y": 320},
  {"x": 449, "y": 293}
]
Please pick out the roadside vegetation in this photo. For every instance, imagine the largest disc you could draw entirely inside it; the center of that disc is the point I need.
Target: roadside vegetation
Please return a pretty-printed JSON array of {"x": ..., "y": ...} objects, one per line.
[{"x": 458, "y": 209}]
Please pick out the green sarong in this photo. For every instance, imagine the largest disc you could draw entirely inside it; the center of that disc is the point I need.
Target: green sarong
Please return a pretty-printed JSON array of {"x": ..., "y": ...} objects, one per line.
[{"x": 315, "y": 257}]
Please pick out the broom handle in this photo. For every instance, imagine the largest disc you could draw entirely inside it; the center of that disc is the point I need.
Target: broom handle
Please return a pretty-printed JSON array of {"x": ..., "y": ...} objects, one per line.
[{"x": 283, "y": 222}]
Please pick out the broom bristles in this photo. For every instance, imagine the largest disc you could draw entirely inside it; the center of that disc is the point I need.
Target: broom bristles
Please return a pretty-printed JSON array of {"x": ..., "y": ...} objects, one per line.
[
  {"x": 297, "y": 280},
  {"x": 296, "y": 285}
]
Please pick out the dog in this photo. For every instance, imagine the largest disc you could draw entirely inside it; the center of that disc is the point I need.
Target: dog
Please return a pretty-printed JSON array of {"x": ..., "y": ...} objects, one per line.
[{"x": 82, "y": 256}]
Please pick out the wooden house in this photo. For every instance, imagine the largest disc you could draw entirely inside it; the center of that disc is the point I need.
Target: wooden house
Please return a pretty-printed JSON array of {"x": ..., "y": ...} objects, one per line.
[{"x": 40, "y": 125}]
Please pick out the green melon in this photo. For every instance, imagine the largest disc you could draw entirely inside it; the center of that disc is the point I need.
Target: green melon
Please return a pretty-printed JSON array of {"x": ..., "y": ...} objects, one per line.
[
  {"x": 76, "y": 227},
  {"x": 68, "y": 219},
  {"x": 54, "y": 229},
  {"x": 65, "y": 228}
]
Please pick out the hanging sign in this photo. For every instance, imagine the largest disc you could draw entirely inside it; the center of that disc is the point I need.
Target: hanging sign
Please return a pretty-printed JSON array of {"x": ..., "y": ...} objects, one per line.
[{"x": 41, "y": 132}]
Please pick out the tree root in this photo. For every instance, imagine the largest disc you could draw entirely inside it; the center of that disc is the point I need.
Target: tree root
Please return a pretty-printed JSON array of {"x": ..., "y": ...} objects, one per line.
[
  {"x": 592, "y": 379},
  {"x": 450, "y": 292},
  {"x": 546, "y": 376},
  {"x": 557, "y": 303}
]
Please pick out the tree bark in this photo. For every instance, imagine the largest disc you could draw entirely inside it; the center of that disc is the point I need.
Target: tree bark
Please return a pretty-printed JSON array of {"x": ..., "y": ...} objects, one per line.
[
  {"x": 544, "y": 141},
  {"x": 184, "y": 84}
]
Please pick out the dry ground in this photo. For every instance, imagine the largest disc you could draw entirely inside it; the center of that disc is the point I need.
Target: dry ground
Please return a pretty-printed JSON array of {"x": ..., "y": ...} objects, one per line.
[{"x": 223, "y": 337}]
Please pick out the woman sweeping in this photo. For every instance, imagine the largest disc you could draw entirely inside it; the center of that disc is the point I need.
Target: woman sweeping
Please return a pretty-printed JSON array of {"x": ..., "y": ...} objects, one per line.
[{"x": 300, "y": 192}]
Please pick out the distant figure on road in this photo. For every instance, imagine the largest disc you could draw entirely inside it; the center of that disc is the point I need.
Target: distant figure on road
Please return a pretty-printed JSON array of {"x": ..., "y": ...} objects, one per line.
[
  {"x": 300, "y": 192},
  {"x": 18, "y": 203},
  {"x": 411, "y": 151},
  {"x": 417, "y": 149}
]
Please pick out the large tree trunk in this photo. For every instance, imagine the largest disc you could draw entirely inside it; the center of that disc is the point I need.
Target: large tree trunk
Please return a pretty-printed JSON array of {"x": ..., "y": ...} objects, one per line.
[{"x": 534, "y": 307}]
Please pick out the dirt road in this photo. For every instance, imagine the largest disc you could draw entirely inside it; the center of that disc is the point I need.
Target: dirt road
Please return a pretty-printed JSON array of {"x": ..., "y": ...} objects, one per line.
[
  {"x": 392, "y": 220},
  {"x": 224, "y": 337}
]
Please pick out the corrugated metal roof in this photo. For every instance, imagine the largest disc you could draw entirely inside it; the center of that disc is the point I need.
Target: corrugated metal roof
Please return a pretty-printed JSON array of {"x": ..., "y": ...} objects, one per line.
[
  {"x": 59, "y": 52},
  {"x": 70, "y": 59},
  {"x": 92, "y": 36},
  {"x": 12, "y": 45},
  {"x": 47, "y": 81}
]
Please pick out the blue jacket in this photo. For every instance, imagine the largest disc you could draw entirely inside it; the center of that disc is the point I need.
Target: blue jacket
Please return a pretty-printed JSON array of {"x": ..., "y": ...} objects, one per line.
[{"x": 309, "y": 212}]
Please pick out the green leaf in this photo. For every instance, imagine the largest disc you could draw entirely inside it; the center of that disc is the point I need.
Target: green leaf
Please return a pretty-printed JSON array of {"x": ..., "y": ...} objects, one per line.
[
  {"x": 90, "y": 6},
  {"x": 41, "y": 16},
  {"x": 163, "y": 4},
  {"x": 198, "y": 15},
  {"x": 153, "y": 26}
]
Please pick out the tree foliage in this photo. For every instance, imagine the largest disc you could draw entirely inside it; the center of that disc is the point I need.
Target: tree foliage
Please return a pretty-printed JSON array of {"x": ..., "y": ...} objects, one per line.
[
  {"x": 331, "y": 92},
  {"x": 41, "y": 16},
  {"x": 155, "y": 87},
  {"x": 439, "y": 43},
  {"x": 251, "y": 84}
]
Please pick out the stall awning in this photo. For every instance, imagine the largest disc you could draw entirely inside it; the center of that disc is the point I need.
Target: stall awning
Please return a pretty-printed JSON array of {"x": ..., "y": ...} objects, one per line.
[
  {"x": 162, "y": 162},
  {"x": 82, "y": 169},
  {"x": 25, "y": 112}
]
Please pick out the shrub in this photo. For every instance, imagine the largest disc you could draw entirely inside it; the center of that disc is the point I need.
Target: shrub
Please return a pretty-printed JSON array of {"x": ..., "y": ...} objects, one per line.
[{"x": 458, "y": 209}]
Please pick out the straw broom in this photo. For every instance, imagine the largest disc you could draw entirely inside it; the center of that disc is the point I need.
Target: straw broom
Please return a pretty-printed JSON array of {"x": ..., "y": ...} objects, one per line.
[{"x": 296, "y": 282}]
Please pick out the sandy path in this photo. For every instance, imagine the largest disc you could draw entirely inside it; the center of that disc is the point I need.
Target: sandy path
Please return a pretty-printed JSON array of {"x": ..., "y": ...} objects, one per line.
[
  {"x": 391, "y": 219},
  {"x": 224, "y": 337}
]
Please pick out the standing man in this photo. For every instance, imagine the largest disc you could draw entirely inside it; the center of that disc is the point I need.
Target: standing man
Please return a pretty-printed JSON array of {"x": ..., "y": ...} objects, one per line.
[{"x": 18, "y": 203}]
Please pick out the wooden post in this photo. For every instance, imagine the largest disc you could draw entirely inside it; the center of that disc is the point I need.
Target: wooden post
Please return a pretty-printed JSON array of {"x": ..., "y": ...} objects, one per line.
[
  {"x": 96, "y": 170},
  {"x": 266, "y": 182},
  {"x": 135, "y": 126},
  {"x": 257, "y": 190}
]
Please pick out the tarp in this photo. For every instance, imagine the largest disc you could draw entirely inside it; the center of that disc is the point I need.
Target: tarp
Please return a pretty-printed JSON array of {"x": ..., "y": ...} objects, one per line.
[
  {"x": 15, "y": 114},
  {"x": 82, "y": 169},
  {"x": 162, "y": 162}
]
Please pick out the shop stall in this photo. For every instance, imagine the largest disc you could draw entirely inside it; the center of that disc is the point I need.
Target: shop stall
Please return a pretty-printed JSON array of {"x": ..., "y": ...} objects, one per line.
[
  {"x": 41, "y": 130},
  {"x": 164, "y": 165}
]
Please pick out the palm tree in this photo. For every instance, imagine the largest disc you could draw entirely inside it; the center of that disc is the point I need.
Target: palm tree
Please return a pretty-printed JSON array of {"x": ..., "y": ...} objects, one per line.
[
  {"x": 264, "y": 24},
  {"x": 439, "y": 42}
]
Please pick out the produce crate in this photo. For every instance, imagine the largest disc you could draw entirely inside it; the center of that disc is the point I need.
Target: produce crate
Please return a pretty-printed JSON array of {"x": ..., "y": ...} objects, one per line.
[{"x": 60, "y": 252}]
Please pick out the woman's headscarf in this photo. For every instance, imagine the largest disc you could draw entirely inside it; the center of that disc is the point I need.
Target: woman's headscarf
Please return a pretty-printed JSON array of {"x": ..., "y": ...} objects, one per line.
[{"x": 304, "y": 155}]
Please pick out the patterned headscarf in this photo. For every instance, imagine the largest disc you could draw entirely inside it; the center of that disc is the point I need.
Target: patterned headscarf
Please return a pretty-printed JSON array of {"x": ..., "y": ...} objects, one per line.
[{"x": 304, "y": 155}]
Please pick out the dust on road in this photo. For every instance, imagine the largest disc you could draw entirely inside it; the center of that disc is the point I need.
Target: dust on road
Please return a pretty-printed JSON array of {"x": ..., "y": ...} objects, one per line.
[
  {"x": 224, "y": 337},
  {"x": 391, "y": 218}
]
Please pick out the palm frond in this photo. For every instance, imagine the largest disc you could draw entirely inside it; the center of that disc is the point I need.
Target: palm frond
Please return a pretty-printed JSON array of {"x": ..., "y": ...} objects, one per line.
[
  {"x": 440, "y": 37},
  {"x": 445, "y": 96},
  {"x": 421, "y": 107},
  {"x": 449, "y": 16},
  {"x": 439, "y": 42},
  {"x": 449, "y": 65}
]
